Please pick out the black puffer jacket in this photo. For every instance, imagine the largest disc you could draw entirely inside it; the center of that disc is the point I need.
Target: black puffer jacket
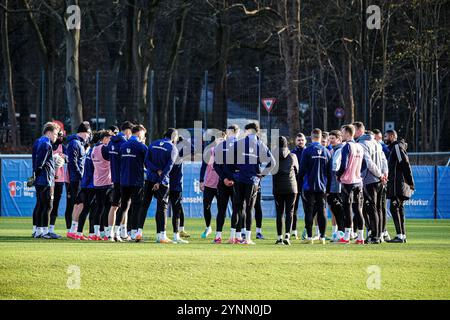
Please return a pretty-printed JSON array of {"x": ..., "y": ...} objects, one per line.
[
  {"x": 400, "y": 179},
  {"x": 285, "y": 180}
]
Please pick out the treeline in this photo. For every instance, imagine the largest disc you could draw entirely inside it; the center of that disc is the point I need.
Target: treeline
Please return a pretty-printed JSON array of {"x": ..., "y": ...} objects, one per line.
[{"x": 319, "y": 54}]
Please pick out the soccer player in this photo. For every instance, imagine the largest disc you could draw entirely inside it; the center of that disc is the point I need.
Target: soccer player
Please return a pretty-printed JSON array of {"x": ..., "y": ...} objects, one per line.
[
  {"x": 249, "y": 154},
  {"x": 159, "y": 160},
  {"x": 374, "y": 175},
  {"x": 349, "y": 174},
  {"x": 114, "y": 160},
  {"x": 60, "y": 158},
  {"x": 224, "y": 166},
  {"x": 300, "y": 144},
  {"x": 383, "y": 217},
  {"x": 44, "y": 174},
  {"x": 176, "y": 190},
  {"x": 87, "y": 195},
  {"x": 102, "y": 180},
  {"x": 132, "y": 156},
  {"x": 285, "y": 190},
  {"x": 76, "y": 155},
  {"x": 334, "y": 187},
  {"x": 313, "y": 170},
  {"x": 209, "y": 180},
  {"x": 400, "y": 186}
]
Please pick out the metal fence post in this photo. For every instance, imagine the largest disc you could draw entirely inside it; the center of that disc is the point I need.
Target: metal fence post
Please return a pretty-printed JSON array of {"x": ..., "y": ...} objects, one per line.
[{"x": 97, "y": 75}]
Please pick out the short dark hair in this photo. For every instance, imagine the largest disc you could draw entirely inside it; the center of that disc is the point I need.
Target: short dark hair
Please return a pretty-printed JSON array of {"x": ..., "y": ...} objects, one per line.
[
  {"x": 325, "y": 135},
  {"x": 85, "y": 126},
  {"x": 233, "y": 127},
  {"x": 137, "y": 128},
  {"x": 301, "y": 135},
  {"x": 252, "y": 126},
  {"x": 392, "y": 132},
  {"x": 50, "y": 126},
  {"x": 126, "y": 125},
  {"x": 114, "y": 129},
  {"x": 376, "y": 131},
  {"x": 336, "y": 133},
  {"x": 170, "y": 132},
  {"x": 316, "y": 133},
  {"x": 359, "y": 125},
  {"x": 349, "y": 128}
]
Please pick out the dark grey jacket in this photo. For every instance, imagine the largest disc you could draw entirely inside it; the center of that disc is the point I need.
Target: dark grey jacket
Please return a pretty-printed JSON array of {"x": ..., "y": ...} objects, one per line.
[
  {"x": 285, "y": 180},
  {"x": 400, "y": 178}
]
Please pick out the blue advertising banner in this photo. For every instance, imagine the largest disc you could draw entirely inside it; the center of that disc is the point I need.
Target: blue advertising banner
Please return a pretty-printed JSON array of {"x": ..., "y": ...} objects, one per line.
[
  {"x": 443, "y": 199},
  {"x": 18, "y": 200}
]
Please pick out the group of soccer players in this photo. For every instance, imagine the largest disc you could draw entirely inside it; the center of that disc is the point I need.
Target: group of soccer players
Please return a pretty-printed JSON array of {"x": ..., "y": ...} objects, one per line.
[{"x": 111, "y": 176}]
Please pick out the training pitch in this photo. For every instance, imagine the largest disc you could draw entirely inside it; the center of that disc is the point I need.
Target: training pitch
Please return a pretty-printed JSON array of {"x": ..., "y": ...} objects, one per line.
[{"x": 67, "y": 269}]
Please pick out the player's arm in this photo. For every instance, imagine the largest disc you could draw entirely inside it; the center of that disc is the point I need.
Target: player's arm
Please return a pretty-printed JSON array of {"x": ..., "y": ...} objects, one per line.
[
  {"x": 169, "y": 165},
  {"x": 43, "y": 152},
  {"x": 345, "y": 153}
]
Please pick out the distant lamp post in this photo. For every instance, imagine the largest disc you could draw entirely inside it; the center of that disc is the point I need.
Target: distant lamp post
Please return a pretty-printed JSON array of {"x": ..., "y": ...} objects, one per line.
[{"x": 259, "y": 94}]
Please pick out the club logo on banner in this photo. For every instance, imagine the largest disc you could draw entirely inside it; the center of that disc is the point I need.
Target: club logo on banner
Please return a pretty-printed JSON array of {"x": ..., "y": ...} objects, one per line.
[
  {"x": 15, "y": 189},
  {"x": 268, "y": 103}
]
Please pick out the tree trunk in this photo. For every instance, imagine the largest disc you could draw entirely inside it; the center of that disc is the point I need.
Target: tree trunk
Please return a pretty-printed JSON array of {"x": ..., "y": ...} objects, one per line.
[
  {"x": 8, "y": 76},
  {"x": 179, "y": 29},
  {"x": 290, "y": 49},
  {"x": 73, "y": 92},
  {"x": 220, "y": 108}
]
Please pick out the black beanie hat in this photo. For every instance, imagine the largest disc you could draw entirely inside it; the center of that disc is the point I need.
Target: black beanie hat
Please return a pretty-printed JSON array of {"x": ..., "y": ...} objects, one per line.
[{"x": 84, "y": 127}]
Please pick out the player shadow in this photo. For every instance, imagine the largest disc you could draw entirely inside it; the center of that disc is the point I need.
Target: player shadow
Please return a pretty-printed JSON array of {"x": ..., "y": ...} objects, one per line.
[{"x": 21, "y": 239}]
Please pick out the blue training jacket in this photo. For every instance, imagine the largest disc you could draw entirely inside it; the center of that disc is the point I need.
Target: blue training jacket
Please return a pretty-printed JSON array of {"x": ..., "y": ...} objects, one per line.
[
  {"x": 161, "y": 155},
  {"x": 132, "y": 156},
  {"x": 76, "y": 155},
  {"x": 88, "y": 175},
  {"x": 114, "y": 157},
  {"x": 43, "y": 164},
  {"x": 250, "y": 153},
  {"x": 224, "y": 159},
  {"x": 313, "y": 168},
  {"x": 298, "y": 152},
  {"x": 176, "y": 174}
]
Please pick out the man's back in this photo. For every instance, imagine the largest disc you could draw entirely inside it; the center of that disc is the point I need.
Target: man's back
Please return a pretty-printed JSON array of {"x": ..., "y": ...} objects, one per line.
[{"x": 313, "y": 167}]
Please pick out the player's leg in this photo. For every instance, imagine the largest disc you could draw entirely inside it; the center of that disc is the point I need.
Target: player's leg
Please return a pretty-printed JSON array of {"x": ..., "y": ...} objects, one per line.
[
  {"x": 87, "y": 196},
  {"x": 289, "y": 203},
  {"x": 125, "y": 203},
  {"x": 319, "y": 204},
  {"x": 347, "y": 212},
  {"x": 137, "y": 216},
  {"x": 208, "y": 196},
  {"x": 238, "y": 207},
  {"x": 223, "y": 195},
  {"x": 57, "y": 194},
  {"x": 45, "y": 197},
  {"x": 251, "y": 192},
  {"x": 147, "y": 196},
  {"x": 175, "y": 198},
  {"x": 357, "y": 211},
  {"x": 279, "y": 208},
  {"x": 71, "y": 214},
  {"x": 115, "y": 205},
  {"x": 309, "y": 216},
  {"x": 258, "y": 215},
  {"x": 162, "y": 196},
  {"x": 396, "y": 209},
  {"x": 294, "y": 216},
  {"x": 183, "y": 232}
]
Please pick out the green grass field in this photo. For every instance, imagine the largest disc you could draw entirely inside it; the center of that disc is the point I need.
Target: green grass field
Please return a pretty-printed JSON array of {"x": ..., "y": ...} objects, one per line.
[{"x": 38, "y": 269}]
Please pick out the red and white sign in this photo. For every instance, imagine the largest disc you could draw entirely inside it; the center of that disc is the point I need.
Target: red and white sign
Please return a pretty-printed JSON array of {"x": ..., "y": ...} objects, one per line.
[{"x": 268, "y": 103}]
